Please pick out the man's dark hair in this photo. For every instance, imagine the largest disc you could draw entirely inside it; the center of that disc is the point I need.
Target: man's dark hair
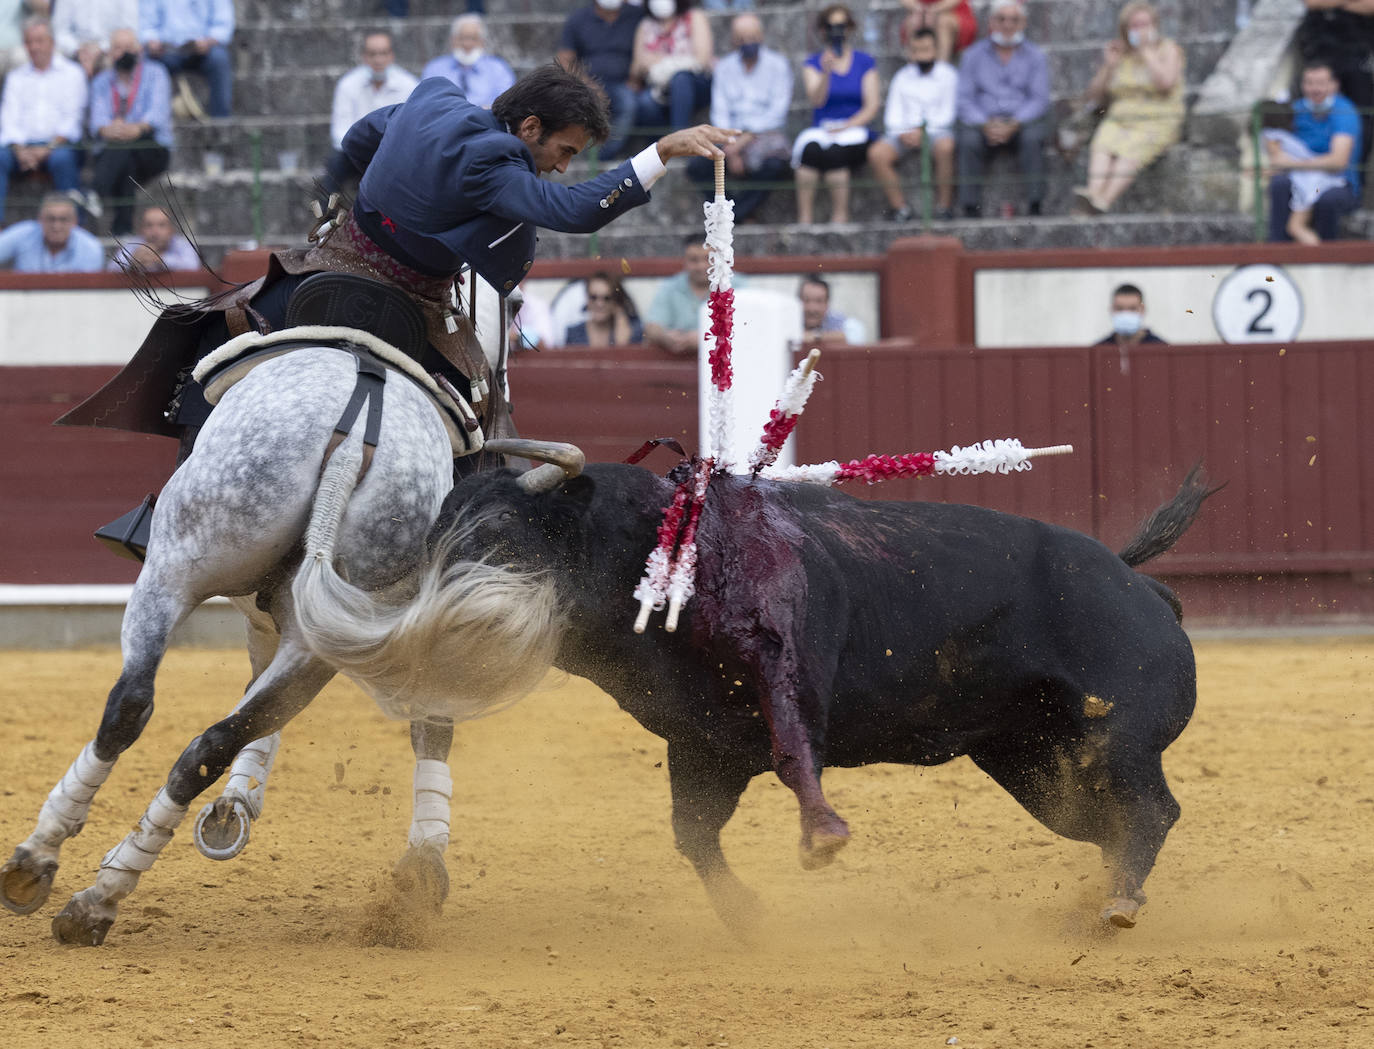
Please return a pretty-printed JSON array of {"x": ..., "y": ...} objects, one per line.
[
  {"x": 1129, "y": 289},
  {"x": 820, "y": 282},
  {"x": 559, "y": 98},
  {"x": 369, "y": 34},
  {"x": 1321, "y": 63},
  {"x": 923, "y": 32},
  {"x": 692, "y": 240}
]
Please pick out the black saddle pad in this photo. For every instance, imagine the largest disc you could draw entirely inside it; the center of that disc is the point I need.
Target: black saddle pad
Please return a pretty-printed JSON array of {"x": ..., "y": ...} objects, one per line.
[{"x": 349, "y": 301}]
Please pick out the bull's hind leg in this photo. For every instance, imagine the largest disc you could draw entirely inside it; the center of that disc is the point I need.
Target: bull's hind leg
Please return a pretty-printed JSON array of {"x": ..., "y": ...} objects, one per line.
[
  {"x": 290, "y": 683},
  {"x": 153, "y": 611},
  {"x": 1098, "y": 790},
  {"x": 706, "y": 789}
]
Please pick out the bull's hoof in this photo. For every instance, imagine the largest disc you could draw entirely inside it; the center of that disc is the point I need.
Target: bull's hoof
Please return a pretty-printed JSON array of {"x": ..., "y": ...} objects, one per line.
[
  {"x": 421, "y": 875},
  {"x": 736, "y": 905},
  {"x": 820, "y": 846},
  {"x": 1121, "y": 911},
  {"x": 26, "y": 881},
  {"x": 222, "y": 828},
  {"x": 81, "y": 924}
]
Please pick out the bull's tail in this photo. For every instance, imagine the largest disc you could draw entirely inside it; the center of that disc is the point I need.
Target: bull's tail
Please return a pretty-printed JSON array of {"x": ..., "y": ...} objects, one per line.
[
  {"x": 1163, "y": 528},
  {"x": 472, "y": 639}
]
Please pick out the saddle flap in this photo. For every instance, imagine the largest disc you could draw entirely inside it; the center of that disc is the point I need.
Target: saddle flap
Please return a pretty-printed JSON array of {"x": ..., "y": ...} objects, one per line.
[{"x": 349, "y": 301}]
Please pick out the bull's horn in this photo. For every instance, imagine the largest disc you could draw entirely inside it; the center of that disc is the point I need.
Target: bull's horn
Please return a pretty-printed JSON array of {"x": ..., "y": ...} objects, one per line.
[{"x": 561, "y": 461}]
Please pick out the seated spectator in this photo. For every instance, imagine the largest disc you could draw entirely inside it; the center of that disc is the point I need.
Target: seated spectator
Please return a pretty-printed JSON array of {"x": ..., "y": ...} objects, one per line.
[
  {"x": 1004, "y": 101},
  {"x": 751, "y": 91},
  {"x": 82, "y": 29},
  {"x": 1326, "y": 123},
  {"x": 819, "y": 322},
  {"x": 673, "y": 58},
  {"x": 842, "y": 84},
  {"x": 131, "y": 121},
  {"x": 479, "y": 75},
  {"x": 952, "y": 21},
  {"x": 195, "y": 36},
  {"x": 1128, "y": 320},
  {"x": 377, "y": 82},
  {"x": 611, "y": 317},
  {"x": 1341, "y": 34},
  {"x": 53, "y": 243},
  {"x": 158, "y": 248},
  {"x": 41, "y": 115},
  {"x": 531, "y": 326},
  {"x": 671, "y": 321},
  {"x": 1140, "y": 82},
  {"x": 600, "y": 39},
  {"x": 919, "y": 115}
]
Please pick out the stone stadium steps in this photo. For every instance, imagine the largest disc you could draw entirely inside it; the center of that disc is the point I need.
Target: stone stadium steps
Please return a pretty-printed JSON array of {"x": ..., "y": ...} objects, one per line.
[{"x": 289, "y": 54}]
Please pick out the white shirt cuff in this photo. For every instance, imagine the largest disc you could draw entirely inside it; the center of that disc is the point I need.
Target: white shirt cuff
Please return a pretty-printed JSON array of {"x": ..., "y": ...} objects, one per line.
[{"x": 648, "y": 167}]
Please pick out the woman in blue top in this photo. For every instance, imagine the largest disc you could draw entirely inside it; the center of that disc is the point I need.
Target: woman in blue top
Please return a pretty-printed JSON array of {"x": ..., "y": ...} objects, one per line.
[{"x": 842, "y": 84}]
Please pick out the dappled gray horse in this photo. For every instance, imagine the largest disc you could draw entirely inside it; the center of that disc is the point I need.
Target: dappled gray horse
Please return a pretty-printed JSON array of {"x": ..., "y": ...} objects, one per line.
[{"x": 319, "y": 539}]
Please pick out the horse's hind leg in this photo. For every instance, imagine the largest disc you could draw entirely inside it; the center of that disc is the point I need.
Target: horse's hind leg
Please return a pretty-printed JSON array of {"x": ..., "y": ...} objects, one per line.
[
  {"x": 421, "y": 870},
  {"x": 222, "y": 828},
  {"x": 153, "y": 611},
  {"x": 290, "y": 683}
]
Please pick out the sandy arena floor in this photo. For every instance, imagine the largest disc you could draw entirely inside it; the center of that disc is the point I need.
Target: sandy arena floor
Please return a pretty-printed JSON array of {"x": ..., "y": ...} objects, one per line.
[{"x": 573, "y": 921}]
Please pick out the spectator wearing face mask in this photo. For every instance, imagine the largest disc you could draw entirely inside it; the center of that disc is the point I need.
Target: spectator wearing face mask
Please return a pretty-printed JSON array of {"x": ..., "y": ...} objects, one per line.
[
  {"x": 1316, "y": 182},
  {"x": 599, "y": 39},
  {"x": 479, "y": 75},
  {"x": 1141, "y": 83},
  {"x": 83, "y": 28},
  {"x": 673, "y": 58},
  {"x": 1004, "y": 99},
  {"x": 131, "y": 120},
  {"x": 752, "y": 91},
  {"x": 1128, "y": 320},
  {"x": 919, "y": 115},
  {"x": 377, "y": 82},
  {"x": 843, "y": 85}
]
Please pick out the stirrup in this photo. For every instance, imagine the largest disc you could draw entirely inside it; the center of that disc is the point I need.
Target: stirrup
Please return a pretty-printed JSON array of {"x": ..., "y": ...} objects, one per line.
[{"x": 127, "y": 535}]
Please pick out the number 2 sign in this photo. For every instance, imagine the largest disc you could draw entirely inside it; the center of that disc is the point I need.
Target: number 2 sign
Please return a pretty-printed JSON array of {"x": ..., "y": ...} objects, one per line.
[{"x": 1258, "y": 303}]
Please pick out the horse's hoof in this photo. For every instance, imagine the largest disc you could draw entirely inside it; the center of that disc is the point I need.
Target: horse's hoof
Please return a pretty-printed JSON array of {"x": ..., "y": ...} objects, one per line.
[
  {"x": 26, "y": 881},
  {"x": 737, "y": 906},
  {"x": 421, "y": 874},
  {"x": 222, "y": 828},
  {"x": 1121, "y": 911},
  {"x": 81, "y": 925}
]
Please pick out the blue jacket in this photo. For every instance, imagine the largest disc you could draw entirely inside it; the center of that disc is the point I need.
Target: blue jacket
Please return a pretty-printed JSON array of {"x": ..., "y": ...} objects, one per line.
[{"x": 444, "y": 183}]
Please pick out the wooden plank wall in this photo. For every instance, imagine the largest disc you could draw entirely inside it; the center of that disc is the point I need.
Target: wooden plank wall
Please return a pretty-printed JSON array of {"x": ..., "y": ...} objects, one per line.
[{"x": 1291, "y": 538}]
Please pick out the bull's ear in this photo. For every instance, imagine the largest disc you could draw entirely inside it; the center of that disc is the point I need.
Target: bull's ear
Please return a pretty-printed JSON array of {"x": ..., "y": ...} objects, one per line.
[{"x": 578, "y": 491}]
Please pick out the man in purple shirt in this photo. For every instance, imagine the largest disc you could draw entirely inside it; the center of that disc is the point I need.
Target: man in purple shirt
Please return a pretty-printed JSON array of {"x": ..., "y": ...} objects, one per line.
[
  {"x": 1004, "y": 99},
  {"x": 131, "y": 122}
]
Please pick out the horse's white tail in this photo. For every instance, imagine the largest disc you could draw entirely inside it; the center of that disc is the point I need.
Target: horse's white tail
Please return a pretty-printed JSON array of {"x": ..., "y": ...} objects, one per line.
[{"x": 474, "y": 638}]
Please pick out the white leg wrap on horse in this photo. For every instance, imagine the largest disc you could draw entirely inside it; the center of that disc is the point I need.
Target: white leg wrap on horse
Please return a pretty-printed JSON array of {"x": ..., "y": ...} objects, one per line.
[
  {"x": 249, "y": 772},
  {"x": 64, "y": 813},
  {"x": 433, "y": 792},
  {"x": 140, "y": 847}
]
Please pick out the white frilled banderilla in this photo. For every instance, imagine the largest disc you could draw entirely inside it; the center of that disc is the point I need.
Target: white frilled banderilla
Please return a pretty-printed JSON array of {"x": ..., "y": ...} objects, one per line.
[{"x": 431, "y": 643}]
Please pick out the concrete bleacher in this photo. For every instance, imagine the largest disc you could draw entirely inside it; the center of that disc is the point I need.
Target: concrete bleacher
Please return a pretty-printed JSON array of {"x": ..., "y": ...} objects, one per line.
[{"x": 289, "y": 54}]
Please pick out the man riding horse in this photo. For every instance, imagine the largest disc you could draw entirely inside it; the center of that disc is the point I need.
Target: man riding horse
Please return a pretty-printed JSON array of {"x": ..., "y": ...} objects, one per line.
[{"x": 445, "y": 184}]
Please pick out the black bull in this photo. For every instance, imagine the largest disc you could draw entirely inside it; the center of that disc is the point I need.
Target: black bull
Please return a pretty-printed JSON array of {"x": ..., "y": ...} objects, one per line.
[{"x": 911, "y": 632}]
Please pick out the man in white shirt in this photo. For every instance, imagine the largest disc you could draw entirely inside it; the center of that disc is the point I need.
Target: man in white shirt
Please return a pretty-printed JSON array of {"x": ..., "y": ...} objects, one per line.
[
  {"x": 921, "y": 105},
  {"x": 750, "y": 90},
  {"x": 42, "y": 114},
  {"x": 376, "y": 83},
  {"x": 82, "y": 28}
]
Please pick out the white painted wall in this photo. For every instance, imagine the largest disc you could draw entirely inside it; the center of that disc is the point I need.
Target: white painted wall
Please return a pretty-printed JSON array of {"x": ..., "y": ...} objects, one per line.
[
  {"x": 85, "y": 326},
  {"x": 1069, "y": 307}
]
